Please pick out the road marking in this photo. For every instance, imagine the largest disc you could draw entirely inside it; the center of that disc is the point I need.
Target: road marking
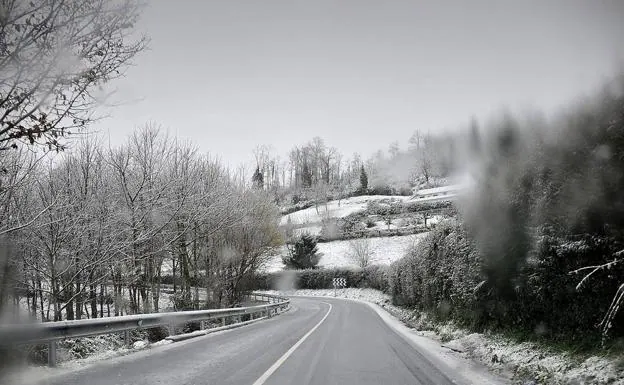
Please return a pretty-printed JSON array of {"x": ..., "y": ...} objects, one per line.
[{"x": 290, "y": 351}]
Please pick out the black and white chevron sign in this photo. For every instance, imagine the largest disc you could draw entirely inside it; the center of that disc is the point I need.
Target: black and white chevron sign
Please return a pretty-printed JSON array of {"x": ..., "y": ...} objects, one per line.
[{"x": 339, "y": 282}]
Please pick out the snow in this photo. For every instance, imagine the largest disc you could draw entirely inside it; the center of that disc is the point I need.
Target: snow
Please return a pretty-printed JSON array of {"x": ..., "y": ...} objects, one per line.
[
  {"x": 162, "y": 342},
  {"x": 140, "y": 345},
  {"x": 333, "y": 210},
  {"x": 385, "y": 250}
]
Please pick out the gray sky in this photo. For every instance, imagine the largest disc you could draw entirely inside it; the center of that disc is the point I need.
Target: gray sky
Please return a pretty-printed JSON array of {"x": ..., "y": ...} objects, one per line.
[{"x": 359, "y": 73}]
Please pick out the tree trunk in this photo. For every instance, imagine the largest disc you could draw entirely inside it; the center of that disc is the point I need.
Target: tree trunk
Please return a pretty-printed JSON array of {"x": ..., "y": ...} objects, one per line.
[
  {"x": 173, "y": 272},
  {"x": 93, "y": 298},
  {"x": 102, "y": 299},
  {"x": 79, "y": 302},
  {"x": 43, "y": 317}
]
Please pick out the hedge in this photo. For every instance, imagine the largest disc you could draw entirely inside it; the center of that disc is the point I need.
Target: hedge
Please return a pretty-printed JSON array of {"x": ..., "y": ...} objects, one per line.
[
  {"x": 370, "y": 277},
  {"x": 444, "y": 276}
]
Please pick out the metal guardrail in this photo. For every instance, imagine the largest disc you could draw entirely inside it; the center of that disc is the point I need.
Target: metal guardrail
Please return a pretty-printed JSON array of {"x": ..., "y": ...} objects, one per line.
[{"x": 51, "y": 332}]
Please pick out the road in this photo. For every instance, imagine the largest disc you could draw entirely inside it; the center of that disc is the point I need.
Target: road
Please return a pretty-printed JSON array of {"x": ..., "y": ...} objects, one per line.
[{"x": 318, "y": 342}]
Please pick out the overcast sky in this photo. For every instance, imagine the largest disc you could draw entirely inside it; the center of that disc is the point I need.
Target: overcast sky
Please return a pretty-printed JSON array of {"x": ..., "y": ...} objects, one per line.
[{"x": 359, "y": 73}]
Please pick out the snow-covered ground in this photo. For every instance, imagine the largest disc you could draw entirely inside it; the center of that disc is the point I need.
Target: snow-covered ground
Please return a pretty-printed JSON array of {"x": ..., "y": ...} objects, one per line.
[
  {"x": 333, "y": 210},
  {"x": 385, "y": 250},
  {"x": 526, "y": 363}
]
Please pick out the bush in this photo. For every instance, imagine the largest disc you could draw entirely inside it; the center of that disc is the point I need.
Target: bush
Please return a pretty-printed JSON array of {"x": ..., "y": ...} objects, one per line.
[
  {"x": 444, "y": 275},
  {"x": 191, "y": 327},
  {"x": 303, "y": 254},
  {"x": 439, "y": 274},
  {"x": 157, "y": 334},
  {"x": 375, "y": 277},
  {"x": 381, "y": 190}
]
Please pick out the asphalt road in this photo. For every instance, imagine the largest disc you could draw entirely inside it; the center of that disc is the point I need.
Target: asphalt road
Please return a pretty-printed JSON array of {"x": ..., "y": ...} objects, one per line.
[{"x": 318, "y": 342}]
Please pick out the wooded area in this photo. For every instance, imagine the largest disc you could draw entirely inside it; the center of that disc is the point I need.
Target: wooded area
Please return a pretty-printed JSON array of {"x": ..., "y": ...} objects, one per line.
[{"x": 92, "y": 232}]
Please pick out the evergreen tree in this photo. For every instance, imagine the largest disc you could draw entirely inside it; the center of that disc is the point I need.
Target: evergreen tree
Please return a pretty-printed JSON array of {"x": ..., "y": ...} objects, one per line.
[
  {"x": 306, "y": 176},
  {"x": 303, "y": 254},
  {"x": 258, "y": 179},
  {"x": 363, "y": 180}
]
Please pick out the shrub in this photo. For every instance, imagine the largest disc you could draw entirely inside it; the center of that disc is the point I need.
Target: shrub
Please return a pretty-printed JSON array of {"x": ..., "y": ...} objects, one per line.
[
  {"x": 360, "y": 251},
  {"x": 381, "y": 190},
  {"x": 303, "y": 254},
  {"x": 157, "y": 334},
  {"x": 376, "y": 277},
  {"x": 444, "y": 275},
  {"x": 439, "y": 274}
]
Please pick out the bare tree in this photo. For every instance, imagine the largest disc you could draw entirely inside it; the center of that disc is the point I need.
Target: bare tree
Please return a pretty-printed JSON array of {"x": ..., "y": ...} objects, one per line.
[
  {"x": 361, "y": 251},
  {"x": 54, "y": 55}
]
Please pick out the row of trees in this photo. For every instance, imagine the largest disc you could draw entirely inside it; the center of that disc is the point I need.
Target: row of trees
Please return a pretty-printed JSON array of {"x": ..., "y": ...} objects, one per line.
[
  {"x": 97, "y": 227},
  {"x": 315, "y": 170}
]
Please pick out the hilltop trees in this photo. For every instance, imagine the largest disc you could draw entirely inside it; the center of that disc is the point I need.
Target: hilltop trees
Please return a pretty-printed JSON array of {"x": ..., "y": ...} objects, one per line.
[{"x": 315, "y": 167}]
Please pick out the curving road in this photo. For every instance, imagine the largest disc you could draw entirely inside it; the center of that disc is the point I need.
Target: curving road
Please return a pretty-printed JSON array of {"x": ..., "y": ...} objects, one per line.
[{"x": 318, "y": 342}]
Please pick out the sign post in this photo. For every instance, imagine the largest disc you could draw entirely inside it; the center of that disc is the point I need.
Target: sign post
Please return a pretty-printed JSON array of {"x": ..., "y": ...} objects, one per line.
[{"x": 339, "y": 282}]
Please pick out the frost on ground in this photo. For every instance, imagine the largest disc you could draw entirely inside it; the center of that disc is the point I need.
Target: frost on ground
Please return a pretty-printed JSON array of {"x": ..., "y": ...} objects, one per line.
[
  {"x": 385, "y": 250},
  {"x": 527, "y": 362}
]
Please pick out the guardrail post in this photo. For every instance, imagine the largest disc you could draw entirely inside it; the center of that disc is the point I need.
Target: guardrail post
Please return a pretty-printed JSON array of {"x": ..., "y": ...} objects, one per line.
[
  {"x": 52, "y": 354},
  {"x": 223, "y": 321},
  {"x": 127, "y": 337}
]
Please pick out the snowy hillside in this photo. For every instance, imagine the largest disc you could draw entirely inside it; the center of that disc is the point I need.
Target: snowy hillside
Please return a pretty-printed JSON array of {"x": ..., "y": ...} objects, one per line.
[
  {"x": 385, "y": 250},
  {"x": 334, "y": 210}
]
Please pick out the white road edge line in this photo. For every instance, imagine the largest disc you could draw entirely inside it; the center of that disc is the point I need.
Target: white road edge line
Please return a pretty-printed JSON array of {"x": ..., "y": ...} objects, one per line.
[{"x": 265, "y": 376}]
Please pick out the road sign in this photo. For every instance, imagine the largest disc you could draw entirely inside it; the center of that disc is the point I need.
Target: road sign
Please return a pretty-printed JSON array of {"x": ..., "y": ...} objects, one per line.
[{"x": 339, "y": 282}]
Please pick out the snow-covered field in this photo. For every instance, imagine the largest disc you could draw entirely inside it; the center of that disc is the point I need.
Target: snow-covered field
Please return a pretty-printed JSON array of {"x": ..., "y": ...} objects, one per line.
[
  {"x": 526, "y": 363},
  {"x": 385, "y": 250},
  {"x": 333, "y": 210}
]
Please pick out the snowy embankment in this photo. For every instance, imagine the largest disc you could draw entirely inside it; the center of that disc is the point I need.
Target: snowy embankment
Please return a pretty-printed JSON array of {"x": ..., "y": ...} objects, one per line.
[
  {"x": 384, "y": 251},
  {"x": 526, "y": 363}
]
